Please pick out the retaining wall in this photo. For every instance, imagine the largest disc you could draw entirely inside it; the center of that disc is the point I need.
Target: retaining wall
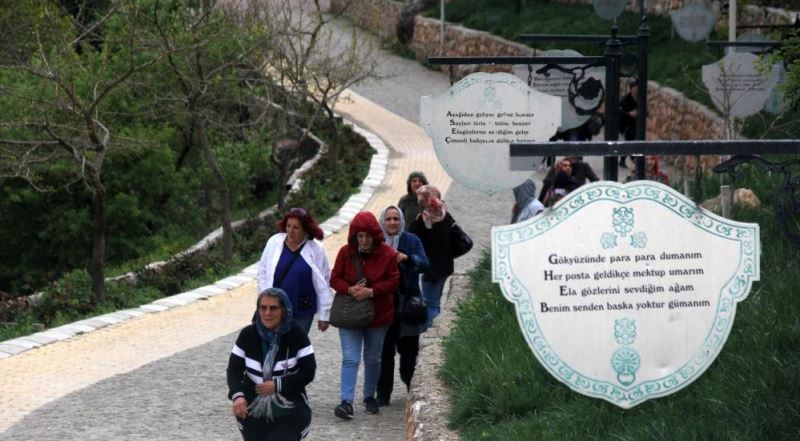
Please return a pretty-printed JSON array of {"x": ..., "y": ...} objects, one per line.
[{"x": 671, "y": 115}]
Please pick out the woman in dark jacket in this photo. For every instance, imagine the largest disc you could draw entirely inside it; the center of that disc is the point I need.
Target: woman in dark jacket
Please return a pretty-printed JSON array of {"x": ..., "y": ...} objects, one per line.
[
  {"x": 268, "y": 370},
  {"x": 401, "y": 338},
  {"x": 408, "y": 203},
  {"x": 434, "y": 227},
  {"x": 378, "y": 281}
]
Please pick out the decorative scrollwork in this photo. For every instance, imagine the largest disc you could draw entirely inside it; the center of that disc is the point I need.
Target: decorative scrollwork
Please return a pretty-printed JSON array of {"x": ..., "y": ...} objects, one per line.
[
  {"x": 787, "y": 201},
  {"x": 582, "y": 86}
]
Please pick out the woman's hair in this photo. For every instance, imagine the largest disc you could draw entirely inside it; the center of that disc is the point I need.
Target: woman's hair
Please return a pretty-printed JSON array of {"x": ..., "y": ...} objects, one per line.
[
  {"x": 306, "y": 221},
  {"x": 656, "y": 168},
  {"x": 560, "y": 164}
]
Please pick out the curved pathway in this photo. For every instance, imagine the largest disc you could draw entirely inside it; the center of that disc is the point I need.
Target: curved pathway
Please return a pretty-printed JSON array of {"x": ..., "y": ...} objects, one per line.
[{"x": 161, "y": 375}]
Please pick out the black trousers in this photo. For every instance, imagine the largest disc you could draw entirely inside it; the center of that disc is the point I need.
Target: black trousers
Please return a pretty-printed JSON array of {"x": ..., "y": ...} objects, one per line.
[
  {"x": 289, "y": 428},
  {"x": 408, "y": 348}
]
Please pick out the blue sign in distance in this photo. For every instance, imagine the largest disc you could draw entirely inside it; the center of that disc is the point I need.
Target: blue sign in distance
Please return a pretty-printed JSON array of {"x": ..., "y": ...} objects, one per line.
[
  {"x": 694, "y": 21},
  {"x": 609, "y": 9}
]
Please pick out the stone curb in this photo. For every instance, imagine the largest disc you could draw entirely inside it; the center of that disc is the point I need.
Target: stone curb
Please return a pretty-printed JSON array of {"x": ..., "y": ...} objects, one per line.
[{"x": 356, "y": 202}]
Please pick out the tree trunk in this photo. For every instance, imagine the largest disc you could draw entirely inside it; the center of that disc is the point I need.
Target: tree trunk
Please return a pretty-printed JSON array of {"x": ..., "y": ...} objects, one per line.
[
  {"x": 224, "y": 193},
  {"x": 99, "y": 222},
  {"x": 333, "y": 148}
]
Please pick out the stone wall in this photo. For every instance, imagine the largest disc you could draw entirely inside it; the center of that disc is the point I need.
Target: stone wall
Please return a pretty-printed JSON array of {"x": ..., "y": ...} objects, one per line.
[
  {"x": 671, "y": 115},
  {"x": 379, "y": 16},
  {"x": 747, "y": 14}
]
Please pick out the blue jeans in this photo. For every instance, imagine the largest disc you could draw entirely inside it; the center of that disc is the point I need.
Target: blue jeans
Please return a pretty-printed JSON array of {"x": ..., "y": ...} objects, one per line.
[
  {"x": 304, "y": 322},
  {"x": 352, "y": 341},
  {"x": 432, "y": 293}
]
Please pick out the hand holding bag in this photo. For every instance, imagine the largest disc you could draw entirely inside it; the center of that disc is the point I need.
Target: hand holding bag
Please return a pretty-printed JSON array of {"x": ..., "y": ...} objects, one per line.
[
  {"x": 460, "y": 242},
  {"x": 346, "y": 311}
]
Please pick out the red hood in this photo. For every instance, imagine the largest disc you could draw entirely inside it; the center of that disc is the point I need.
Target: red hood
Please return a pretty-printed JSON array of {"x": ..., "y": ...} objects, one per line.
[{"x": 365, "y": 221}]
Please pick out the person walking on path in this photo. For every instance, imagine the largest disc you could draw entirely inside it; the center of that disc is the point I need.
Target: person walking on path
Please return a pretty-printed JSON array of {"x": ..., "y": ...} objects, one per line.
[
  {"x": 652, "y": 171},
  {"x": 269, "y": 367},
  {"x": 580, "y": 171},
  {"x": 295, "y": 261},
  {"x": 563, "y": 183},
  {"x": 365, "y": 268},
  {"x": 526, "y": 204},
  {"x": 408, "y": 203},
  {"x": 628, "y": 112},
  {"x": 434, "y": 227},
  {"x": 401, "y": 338}
]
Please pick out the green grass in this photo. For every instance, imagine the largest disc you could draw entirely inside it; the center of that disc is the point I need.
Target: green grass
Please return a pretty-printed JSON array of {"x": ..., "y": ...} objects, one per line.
[
  {"x": 672, "y": 62},
  {"x": 751, "y": 391}
]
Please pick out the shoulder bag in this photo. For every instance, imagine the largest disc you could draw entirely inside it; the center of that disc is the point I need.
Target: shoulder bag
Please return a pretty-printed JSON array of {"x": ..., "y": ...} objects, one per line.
[
  {"x": 460, "y": 242},
  {"x": 346, "y": 311},
  {"x": 411, "y": 310}
]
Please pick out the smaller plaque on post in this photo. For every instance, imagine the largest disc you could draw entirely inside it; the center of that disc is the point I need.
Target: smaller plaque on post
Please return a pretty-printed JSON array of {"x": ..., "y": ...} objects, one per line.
[
  {"x": 736, "y": 85},
  {"x": 777, "y": 102},
  {"x": 586, "y": 90},
  {"x": 694, "y": 21},
  {"x": 609, "y": 9}
]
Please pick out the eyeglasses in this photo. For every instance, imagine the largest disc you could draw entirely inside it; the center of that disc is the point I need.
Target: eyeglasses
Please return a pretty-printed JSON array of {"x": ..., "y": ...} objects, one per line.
[{"x": 270, "y": 308}]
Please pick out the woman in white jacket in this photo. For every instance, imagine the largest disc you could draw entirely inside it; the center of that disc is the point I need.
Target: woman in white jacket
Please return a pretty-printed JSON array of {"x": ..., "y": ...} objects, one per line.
[{"x": 295, "y": 261}]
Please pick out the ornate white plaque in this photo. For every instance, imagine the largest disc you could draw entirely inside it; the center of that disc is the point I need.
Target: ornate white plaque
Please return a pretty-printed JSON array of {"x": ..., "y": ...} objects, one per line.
[
  {"x": 735, "y": 84},
  {"x": 626, "y": 292},
  {"x": 558, "y": 84},
  {"x": 473, "y": 123},
  {"x": 609, "y": 9},
  {"x": 694, "y": 21}
]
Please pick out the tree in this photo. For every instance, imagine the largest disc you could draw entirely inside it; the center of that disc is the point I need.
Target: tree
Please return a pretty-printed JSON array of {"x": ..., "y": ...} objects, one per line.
[
  {"x": 210, "y": 51},
  {"x": 57, "y": 94},
  {"x": 789, "y": 53},
  {"x": 310, "y": 64}
]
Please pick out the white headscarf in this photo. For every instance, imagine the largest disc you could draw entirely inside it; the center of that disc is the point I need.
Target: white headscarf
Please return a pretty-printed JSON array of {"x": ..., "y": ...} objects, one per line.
[{"x": 392, "y": 241}]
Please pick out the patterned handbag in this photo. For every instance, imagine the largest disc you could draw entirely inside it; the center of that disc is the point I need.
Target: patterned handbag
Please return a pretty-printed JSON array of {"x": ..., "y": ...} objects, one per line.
[{"x": 346, "y": 311}]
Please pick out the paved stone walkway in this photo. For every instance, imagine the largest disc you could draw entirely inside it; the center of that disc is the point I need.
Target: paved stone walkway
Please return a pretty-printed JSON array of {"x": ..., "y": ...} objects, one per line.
[{"x": 162, "y": 375}]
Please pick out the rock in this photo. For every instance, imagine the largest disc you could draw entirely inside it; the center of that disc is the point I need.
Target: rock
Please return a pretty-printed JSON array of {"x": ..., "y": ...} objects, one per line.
[{"x": 742, "y": 196}]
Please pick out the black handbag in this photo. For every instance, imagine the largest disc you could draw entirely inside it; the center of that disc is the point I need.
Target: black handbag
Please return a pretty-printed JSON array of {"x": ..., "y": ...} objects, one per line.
[
  {"x": 346, "y": 311},
  {"x": 411, "y": 310},
  {"x": 460, "y": 242}
]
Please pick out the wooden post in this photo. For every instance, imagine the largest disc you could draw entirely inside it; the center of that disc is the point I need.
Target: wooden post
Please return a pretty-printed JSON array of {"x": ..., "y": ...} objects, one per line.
[
  {"x": 727, "y": 201},
  {"x": 687, "y": 190}
]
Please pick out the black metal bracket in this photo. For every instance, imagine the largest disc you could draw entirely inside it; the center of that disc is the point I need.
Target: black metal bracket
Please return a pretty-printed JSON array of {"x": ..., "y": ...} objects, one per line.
[{"x": 590, "y": 89}]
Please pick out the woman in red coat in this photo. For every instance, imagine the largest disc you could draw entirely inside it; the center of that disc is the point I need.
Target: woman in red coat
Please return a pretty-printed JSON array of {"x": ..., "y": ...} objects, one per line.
[{"x": 378, "y": 282}]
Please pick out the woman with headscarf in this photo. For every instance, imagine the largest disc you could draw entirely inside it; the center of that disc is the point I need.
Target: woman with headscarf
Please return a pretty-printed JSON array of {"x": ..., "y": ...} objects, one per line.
[
  {"x": 295, "y": 261},
  {"x": 401, "y": 338},
  {"x": 408, "y": 203},
  {"x": 434, "y": 227},
  {"x": 525, "y": 203},
  {"x": 269, "y": 367},
  {"x": 377, "y": 279}
]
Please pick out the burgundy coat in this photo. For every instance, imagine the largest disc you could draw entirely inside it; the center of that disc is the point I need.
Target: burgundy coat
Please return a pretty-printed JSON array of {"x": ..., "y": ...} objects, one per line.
[{"x": 379, "y": 266}]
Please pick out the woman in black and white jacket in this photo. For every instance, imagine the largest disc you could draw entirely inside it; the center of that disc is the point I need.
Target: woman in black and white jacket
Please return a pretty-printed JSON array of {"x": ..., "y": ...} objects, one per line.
[{"x": 268, "y": 370}]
